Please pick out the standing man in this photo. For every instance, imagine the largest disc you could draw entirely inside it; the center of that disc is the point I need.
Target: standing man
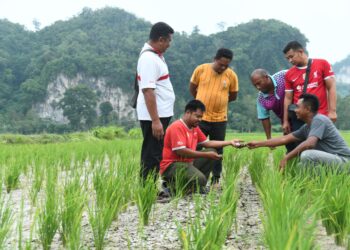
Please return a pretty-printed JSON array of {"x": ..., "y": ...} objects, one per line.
[
  {"x": 321, "y": 83},
  {"x": 155, "y": 102},
  {"x": 215, "y": 85},
  {"x": 321, "y": 143}
]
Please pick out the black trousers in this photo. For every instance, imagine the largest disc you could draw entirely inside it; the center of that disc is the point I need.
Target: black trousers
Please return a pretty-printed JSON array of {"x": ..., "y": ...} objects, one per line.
[
  {"x": 151, "y": 152},
  {"x": 216, "y": 131},
  {"x": 295, "y": 124}
]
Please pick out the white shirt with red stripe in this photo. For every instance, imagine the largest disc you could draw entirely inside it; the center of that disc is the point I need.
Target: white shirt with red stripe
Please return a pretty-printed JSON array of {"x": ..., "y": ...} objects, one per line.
[
  {"x": 179, "y": 136},
  {"x": 152, "y": 72}
]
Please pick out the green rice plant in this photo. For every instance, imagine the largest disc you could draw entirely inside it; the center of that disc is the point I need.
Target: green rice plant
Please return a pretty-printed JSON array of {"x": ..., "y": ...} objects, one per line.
[
  {"x": 38, "y": 174},
  {"x": 48, "y": 217},
  {"x": 109, "y": 189},
  {"x": 11, "y": 176},
  {"x": 289, "y": 220},
  {"x": 20, "y": 225},
  {"x": 145, "y": 197},
  {"x": 6, "y": 218},
  {"x": 71, "y": 211},
  {"x": 209, "y": 230},
  {"x": 335, "y": 212},
  {"x": 232, "y": 162},
  {"x": 258, "y": 165}
]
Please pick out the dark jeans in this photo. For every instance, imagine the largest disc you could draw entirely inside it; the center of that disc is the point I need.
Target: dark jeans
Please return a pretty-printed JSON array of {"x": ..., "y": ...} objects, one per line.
[
  {"x": 216, "y": 131},
  {"x": 192, "y": 173},
  {"x": 295, "y": 124},
  {"x": 151, "y": 152}
]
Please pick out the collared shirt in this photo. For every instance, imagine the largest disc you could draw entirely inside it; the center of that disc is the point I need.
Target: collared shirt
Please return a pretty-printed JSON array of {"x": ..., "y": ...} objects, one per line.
[
  {"x": 179, "y": 136},
  {"x": 151, "y": 71},
  {"x": 275, "y": 101},
  {"x": 213, "y": 90}
]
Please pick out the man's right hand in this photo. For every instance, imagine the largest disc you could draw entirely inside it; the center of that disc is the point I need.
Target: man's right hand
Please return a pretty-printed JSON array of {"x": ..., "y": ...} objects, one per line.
[
  {"x": 157, "y": 129},
  {"x": 286, "y": 128},
  {"x": 213, "y": 155}
]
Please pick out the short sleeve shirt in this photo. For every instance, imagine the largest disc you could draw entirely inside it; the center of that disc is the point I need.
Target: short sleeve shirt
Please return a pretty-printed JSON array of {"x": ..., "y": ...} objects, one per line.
[
  {"x": 151, "y": 71},
  {"x": 179, "y": 136},
  {"x": 275, "y": 101},
  {"x": 213, "y": 90},
  {"x": 320, "y": 71},
  {"x": 329, "y": 138}
]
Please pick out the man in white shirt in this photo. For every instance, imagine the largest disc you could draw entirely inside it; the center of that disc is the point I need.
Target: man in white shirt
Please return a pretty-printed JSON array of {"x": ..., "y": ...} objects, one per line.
[{"x": 155, "y": 102}]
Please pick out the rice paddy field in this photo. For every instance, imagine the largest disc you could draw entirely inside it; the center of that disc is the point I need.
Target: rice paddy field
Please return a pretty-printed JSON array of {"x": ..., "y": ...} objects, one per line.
[{"x": 83, "y": 193}]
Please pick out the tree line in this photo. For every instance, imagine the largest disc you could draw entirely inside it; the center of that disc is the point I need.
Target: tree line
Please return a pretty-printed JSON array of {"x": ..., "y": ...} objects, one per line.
[{"x": 105, "y": 44}]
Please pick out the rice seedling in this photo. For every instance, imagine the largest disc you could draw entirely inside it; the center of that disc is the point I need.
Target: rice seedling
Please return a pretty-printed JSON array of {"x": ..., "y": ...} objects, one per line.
[
  {"x": 6, "y": 218},
  {"x": 48, "y": 218},
  {"x": 12, "y": 174},
  {"x": 38, "y": 173},
  {"x": 335, "y": 212},
  {"x": 209, "y": 231},
  {"x": 289, "y": 221},
  {"x": 20, "y": 225},
  {"x": 145, "y": 197},
  {"x": 74, "y": 199},
  {"x": 109, "y": 189}
]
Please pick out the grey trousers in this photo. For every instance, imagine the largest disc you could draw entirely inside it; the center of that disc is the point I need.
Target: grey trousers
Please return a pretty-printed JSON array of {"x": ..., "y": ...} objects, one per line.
[{"x": 312, "y": 158}]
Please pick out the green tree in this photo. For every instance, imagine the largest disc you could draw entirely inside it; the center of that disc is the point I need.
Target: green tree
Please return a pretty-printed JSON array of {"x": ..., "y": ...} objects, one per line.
[
  {"x": 106, "y": 108},
  {"x": 78, "y": 106}
]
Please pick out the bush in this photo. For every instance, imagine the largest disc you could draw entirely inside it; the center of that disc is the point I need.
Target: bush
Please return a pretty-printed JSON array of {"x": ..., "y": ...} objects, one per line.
[
  {"x": 135, "y": 133},
  {"x": 109, "y": 133}
]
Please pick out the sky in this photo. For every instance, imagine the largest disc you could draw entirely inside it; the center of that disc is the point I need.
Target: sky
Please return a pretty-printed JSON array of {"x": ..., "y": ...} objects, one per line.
[{"x": 323, "y": 22}]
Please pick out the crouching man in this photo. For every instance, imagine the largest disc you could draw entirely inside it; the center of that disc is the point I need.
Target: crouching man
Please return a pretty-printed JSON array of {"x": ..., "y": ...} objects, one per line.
[
  {"x": 321, "y": 143},
  {"x": 179, "y": 152}
]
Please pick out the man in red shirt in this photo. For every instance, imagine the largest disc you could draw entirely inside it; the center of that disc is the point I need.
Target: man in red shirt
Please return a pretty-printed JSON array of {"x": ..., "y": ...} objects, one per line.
[
  {"x": 321, "y": 83},
  {"x": 180, "y": 143}
]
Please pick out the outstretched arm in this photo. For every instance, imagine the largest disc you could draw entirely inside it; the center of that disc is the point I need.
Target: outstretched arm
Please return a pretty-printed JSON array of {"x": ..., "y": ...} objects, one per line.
[{"x": 283, "y": 140}]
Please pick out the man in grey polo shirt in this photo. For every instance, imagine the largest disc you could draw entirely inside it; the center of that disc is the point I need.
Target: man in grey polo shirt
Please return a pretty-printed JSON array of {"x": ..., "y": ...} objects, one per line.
[{"x": 321, "y": 143}]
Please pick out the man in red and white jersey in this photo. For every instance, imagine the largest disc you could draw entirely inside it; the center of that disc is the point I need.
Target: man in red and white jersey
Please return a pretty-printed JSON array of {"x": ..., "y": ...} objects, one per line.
[
  {"x": 180, "y": 143},
  {"x": 321, "y": 83}
]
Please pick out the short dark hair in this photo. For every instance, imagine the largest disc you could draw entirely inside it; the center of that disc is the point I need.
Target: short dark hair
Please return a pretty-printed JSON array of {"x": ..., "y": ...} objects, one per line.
[
  {"x": 310, "y": 101},
  {"x": 293, "y": 45},
  {"x": 227, "y": 53},
  {"x": 160, "y": 29},
  {"x": 193, "y": 105}
]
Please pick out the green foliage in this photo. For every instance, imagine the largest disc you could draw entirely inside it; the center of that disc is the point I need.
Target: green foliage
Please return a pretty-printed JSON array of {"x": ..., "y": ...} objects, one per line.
[
  {"x": 109, "y": 133},
  {"x": 135, "y": 133},
  {"x": 78, "y": 106},
  {"x": 145, "y": 197},
  {"x": 106, "y": 108},
  {"x": 6, "y": 218}
]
